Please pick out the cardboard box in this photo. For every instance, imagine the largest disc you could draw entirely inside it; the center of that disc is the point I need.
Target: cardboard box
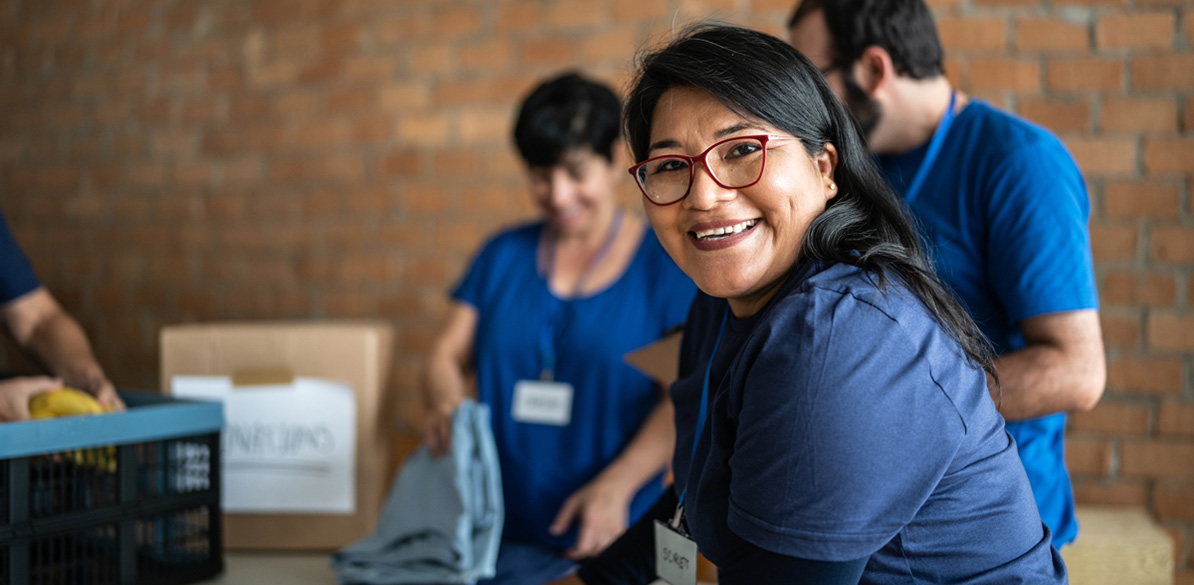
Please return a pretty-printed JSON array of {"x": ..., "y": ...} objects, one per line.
[{"x": 357, "y": 353}]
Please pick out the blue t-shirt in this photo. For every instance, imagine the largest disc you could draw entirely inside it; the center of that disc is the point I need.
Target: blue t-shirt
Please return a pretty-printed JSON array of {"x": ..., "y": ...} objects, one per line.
[
  {"x": 1004, "y": 211},
  {"x": 542, "y": 464},
  {"x": 844, "y": 422},
  {"x": 16, "y": 275}
]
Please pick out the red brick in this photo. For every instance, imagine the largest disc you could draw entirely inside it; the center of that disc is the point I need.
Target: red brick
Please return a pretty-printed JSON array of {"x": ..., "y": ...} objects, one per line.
[
  {"x": 1048, "y": 34},
  {"x": 1145, "y": 375},
  {"x": 1188, "y": 113},
  {"x": 1005, "y": 75},
  {"x": 426, "y": 129},
  {"x": 403, "y": 97},
  {"x": 1163, "y": 72},
  {"x": 565, "y": 14},
  {"x": 618, "y": 44},
  {"x": 1157, "y": 459},
  {"x": 485, "y": 125},
  {"x": 1121, "y": 330},
  {"x": 449, "y": 164},
  {"x": 1169, "y": 330},
  {"x": 1139, "y": 115},
  {"x": 517, "y": 16},
  {"x": 473, "y": 91},
  {"x": 343, "y": 37},
  {"x": 1188, "y": 27},
  {"x": 457, "y": 22},
  {"x": 1094, "y": 2},
  {"x": 1173, "y": 244},
  {"x": 489, "y": 55},
  {"x": 1169, "y": 156},
  {"x": 1085, "y": 74},
  {"x": 626, "y": 11},
  {"x": 1135, "y": 31},
  {"x": 1118, "y": 493},
  {"x": 1110, "y": 416},
  {"x": 555, "y": 52},
  {"x": 1089, "y": 457},
  {"x": 1141, "y": 199},
  {"x": 404, "y": 163},
  {"x": 432, "y": 60},
  {"x": 1176, "y": 418},
  {"x": 1101, "y": 157},
  {"x": 1135, "y": 288},
  {"x": 960, "y": 34},
  {"x": 1173, "y": 500},
  {"x": 1057, "y": 115}
]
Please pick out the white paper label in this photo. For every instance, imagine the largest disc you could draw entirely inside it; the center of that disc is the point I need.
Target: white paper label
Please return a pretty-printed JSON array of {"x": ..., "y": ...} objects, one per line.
[
  {"x": 546, "y": 403},
  {"x": 675, "y": 556}
]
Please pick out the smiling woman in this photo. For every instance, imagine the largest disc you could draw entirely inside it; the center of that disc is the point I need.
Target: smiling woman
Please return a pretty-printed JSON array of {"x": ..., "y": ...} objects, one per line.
[{"x": 832, "y": 414}]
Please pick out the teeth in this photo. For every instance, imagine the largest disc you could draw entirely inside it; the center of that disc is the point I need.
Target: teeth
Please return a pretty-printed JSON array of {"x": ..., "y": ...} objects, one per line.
[{"x": 726, "y": 231}]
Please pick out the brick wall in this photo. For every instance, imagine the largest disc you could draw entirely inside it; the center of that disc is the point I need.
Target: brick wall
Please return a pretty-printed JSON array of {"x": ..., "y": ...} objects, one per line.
[{"x": 198, "y": 160}]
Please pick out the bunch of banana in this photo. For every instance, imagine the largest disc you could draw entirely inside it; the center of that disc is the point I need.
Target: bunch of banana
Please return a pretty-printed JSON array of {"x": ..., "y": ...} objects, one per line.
[{"x": 71, "y": 402}]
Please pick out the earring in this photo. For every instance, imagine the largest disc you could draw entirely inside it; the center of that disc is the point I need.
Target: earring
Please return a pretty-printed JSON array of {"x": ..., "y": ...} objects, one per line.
[{"x": 833, "y": 186}]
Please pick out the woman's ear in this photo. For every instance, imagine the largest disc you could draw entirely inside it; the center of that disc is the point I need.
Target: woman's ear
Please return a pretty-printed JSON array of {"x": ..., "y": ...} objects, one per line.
[{"x": 826, "y": 167}]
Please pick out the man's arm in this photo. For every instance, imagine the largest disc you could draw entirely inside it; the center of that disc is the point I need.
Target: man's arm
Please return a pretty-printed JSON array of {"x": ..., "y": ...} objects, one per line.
[
  {"x": 43, "y": 328},
  {"x": 1061, "y": 368}
]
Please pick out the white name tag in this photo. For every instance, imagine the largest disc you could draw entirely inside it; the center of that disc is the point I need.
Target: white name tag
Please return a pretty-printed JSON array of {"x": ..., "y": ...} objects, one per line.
[
  {"x": 675, "y": 556},
  {"x": 546, "y": 403}
]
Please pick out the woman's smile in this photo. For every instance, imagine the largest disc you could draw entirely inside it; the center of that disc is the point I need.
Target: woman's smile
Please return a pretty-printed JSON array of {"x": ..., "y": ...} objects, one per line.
[{"x": 719, "y": 235}]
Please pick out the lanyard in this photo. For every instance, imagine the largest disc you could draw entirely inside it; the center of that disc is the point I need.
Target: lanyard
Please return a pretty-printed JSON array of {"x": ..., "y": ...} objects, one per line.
[
  {"x": 700, "y": 428},
  {"x": 934, "y": 149},
  {"x": 559, "y": 318}
]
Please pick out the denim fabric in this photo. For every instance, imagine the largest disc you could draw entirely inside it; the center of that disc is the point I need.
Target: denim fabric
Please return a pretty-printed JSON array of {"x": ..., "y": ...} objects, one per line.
[{"x": 442, "y": 521}]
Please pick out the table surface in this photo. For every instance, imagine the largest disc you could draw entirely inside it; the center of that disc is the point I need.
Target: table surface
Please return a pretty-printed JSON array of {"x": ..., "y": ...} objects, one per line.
[{"x": 242, "y": 568}]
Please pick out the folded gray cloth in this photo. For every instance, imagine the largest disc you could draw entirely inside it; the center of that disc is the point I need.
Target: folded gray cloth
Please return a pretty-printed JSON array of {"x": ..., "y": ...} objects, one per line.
[{"x": 442, "y": 521}]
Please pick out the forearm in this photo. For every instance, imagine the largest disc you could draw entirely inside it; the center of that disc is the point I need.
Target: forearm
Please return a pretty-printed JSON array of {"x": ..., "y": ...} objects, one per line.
[
  {"x": 59, "y": 344},
  {"x": 647, "y": 454},
  {"x": 1041, "y": 380}
]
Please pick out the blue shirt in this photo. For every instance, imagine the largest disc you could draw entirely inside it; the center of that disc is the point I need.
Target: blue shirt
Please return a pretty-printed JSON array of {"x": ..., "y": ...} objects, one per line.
[
  {"x": 844, "y": 422},
  {"x": 542, "y": 464},
  {"x": 16, "y": 275},
  {"x": 1004, "y": 211}
]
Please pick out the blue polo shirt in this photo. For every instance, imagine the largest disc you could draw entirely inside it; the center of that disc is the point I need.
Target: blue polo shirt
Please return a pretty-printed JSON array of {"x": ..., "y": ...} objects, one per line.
[
  {"x": 844, "y": 422},
  {"x": 544, "y": 464},
  {"x": 16, "y": 275},
  {"x": 1004, "y": 210}
]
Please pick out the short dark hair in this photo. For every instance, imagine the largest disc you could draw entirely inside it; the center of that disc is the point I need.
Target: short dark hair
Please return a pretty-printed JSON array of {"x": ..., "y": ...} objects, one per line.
[
  {"x": 760, "y": 77},
  {"x": 903, "y": 28},
  {"x": 564, "y": 113}
]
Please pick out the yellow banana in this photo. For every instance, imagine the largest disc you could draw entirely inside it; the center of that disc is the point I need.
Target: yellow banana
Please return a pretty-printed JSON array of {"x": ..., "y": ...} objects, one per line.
[
  {"x": 63, "y": 402},
  {"x": 71, "y": 402}
]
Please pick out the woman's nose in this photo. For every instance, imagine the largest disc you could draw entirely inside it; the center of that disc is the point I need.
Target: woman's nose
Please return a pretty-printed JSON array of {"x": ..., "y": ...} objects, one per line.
[{"x": 704, "y": 192}]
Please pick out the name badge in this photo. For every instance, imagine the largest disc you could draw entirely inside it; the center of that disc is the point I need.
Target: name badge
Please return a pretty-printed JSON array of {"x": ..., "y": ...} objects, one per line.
[
  {"x": 675, "y": 556},
  {"x": 545, "y": 403}
]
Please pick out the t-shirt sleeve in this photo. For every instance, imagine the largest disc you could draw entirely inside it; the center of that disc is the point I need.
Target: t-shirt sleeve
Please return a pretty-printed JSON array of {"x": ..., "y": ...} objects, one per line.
[
  {"x": 16, "y": 275},
  {"x": 472, "y": 288},
  {"x": 842, "y": 433},
  {"x": 1038, "y": 242}
]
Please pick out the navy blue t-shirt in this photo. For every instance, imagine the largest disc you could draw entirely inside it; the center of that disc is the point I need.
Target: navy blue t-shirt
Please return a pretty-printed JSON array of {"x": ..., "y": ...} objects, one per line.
[
  {"x": 16, "y": 275},
  {"x": 845, "y": 422},
  {"x": 543, "y": 464},
  {"x": 1004, "y": 210}
]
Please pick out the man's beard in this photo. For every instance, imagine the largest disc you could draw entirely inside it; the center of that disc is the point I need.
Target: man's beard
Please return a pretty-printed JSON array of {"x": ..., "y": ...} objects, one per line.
[{"x": 865, "y": 110}]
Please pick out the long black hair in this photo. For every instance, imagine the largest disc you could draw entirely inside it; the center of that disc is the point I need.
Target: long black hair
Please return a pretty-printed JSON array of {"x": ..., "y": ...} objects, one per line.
[{"x": 758, "y": 76}]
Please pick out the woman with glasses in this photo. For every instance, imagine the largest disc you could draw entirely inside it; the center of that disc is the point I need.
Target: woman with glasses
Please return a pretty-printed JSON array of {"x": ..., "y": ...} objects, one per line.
[
  {"x": 832, "y": 415},
  {"x": 542, "y": 320}
]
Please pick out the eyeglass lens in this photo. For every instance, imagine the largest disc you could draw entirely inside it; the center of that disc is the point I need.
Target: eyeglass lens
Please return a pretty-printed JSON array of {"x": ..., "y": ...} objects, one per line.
[{"x": 733, "y": 164}]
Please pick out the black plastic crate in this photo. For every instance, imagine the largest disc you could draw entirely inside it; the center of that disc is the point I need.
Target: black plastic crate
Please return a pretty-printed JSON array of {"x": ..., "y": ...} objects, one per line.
[{"x": 129, "y": 498}]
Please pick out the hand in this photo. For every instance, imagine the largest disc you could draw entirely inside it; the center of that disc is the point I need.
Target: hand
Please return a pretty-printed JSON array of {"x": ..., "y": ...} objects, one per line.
[
  {"x": 603, "y": 509},
  {"x": 437, "y": 426},
  {"x": 105, "y": 394},
  {"x": 16, "y": 392}
]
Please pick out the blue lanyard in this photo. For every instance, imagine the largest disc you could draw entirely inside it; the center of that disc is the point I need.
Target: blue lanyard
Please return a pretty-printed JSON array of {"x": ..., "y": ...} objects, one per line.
[
  {"x": 934, "y": 149},
  {"x": 558, "y": 318},
  {"x": 700, "y": 428}
]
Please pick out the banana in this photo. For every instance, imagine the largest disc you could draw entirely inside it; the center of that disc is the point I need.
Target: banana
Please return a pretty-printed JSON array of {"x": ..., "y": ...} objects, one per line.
[
  {"x": 63, "y": 402},
  {"x": 71, "y": 402}
]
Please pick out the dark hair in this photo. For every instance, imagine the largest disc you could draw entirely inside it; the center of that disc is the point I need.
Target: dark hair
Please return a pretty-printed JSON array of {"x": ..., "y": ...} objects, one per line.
[
  {"x": 760, "y": 77},
  {"x": 564, "y": 113},
  {"x": 903, "y": 28}
]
